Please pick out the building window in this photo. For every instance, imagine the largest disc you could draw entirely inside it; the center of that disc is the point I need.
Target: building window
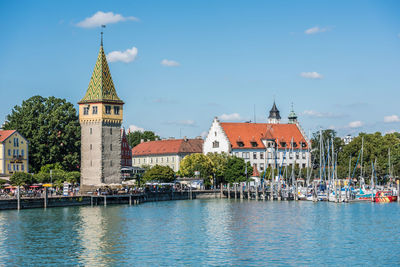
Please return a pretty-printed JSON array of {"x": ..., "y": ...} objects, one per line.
[
  {"x": 90, "y": 146},
  {"x": 144, "y": 161},
  {"x": 215, "y": 133},
  {"x": 94, "y": 110},
  {"x": 304, "y": 165},
  {"x": 156, "y": 160},
  {"x": 297, "y": 155},
  {"x": 90, "y": 130},
  {"x": 261, "y": 155},
  {"x": 22, "y": 167},
  {"x": 111, "y": 147},
  {"x": 138, "y": 161},
  {"x": 254, "y": 144},
  {"x": 269, "y": 155},
  {"x": 22, "y": 152},
  {"x": 91, "y": 163},
  {"x": 9, "y": 152},
  {"x": 116, "y": 110},
  {"x": 162, "y": 160},
  {"x": 240, "y": 144},
  {"x": 261, "y": 166},
  {"x": 304, "y": 155},
  {"x": 111, "y": 131},
  {"x": 215, "y": 144},
  {"x": 254, "y": 155},
  {"x": 290, "y": 155},
  {"x": 17, "y": 167},
  {"x": 9, "y": 167},
  {"x": 173, "y": 159},
  {"x": 108, "y": 109},
  {"x": 167, "y": 159},
  {"x": 86, "y": 111},
  {"x": 111, "y": 163},
  {"x": 151, "y": 160}
]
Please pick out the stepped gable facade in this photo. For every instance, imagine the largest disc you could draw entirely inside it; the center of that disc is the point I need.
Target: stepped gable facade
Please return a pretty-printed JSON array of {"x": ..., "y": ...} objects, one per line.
[{"x": 262, "y": 144}]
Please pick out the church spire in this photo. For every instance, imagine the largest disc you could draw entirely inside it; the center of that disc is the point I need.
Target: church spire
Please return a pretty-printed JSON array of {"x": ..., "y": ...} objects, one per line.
[
  {"x": 101, "y": 86},
  {"x": 274, "y": 116}
]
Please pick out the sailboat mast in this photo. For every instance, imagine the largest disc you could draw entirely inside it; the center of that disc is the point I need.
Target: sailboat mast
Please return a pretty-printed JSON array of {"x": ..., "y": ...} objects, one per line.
[
  {"x": 362, "y": 155},
  {"x": 320, "y": 155}
]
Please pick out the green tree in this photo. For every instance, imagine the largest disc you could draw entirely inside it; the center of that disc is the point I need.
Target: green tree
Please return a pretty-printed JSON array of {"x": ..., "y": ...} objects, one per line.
[
  {"x": 135, "y": 137},
  {"x": 73, "y": 177},
  {"x": 196, "y": 162},
  {"x": 219, "y": 163},
  {"x": 376, "y": 147},
  {"x": 236, "y": 170},
  {"x": 21, "y": 178},
  {"x": 52, "y": 128},
  {"x": 159, "y": 173}
]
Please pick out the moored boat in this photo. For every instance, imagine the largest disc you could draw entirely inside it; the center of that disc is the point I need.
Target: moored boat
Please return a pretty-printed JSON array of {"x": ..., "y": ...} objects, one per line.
[{"x": 384, "y": 197}]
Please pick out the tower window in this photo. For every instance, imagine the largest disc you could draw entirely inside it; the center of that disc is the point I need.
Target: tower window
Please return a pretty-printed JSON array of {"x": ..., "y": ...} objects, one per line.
[
  {"x": 90, "y": 146},
  {"x": 116, "y": 110},
  {"x": 110, "y": 146},
  {"x": 110, "y": 130},
  {"x": 86, "y": 111},
  {"x": 94, "y": 110},
  {"x": 91, "y": 131},
  {"x": 108, "y": 109},
  {"x": 111, "y": 163}
]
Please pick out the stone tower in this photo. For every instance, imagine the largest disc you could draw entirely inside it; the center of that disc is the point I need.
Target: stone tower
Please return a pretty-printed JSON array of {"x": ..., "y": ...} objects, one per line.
[
  {"x": 274, "y": 116},
  {"x": 100, "y": 117}
]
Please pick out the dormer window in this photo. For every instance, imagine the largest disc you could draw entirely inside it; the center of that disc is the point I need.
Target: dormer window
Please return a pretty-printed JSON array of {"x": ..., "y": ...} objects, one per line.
[
  {"x": 94, "y": 110},
  {"x": 283, "y": 144},
  {"x": 116, "y": 110},
  {"x": 86, "y": 111},
  {"x": 254, "y": 144},
  {"x": 240, "y": 143},
  {"x": 303, "y": 144},
  {"x": 294, "y": 144}
]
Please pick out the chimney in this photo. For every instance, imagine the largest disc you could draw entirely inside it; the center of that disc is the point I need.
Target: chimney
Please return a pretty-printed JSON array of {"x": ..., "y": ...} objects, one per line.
[
  {"x": 141, "y": 140},
  {"x": 185, "y": 139}
]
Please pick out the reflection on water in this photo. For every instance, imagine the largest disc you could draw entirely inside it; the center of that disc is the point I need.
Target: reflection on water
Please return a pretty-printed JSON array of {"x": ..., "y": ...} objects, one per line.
[{"x": 203, "y": 232}]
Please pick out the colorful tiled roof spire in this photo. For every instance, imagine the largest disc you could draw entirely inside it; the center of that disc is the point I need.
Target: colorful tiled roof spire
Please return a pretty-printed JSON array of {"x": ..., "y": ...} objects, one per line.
[{"x": 101, "y": 87}]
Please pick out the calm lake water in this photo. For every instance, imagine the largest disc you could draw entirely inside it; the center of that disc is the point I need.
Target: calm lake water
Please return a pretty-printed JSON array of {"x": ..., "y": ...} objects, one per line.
[{"x": 203, "y": 232}]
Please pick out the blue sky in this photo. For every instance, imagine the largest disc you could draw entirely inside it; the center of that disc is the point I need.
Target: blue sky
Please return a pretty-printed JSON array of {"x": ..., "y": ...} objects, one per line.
[{"x": 181, "y": 63}]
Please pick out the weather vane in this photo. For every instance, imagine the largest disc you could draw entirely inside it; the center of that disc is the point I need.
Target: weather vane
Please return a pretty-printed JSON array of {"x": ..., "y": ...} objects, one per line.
[{"x": 102, "y": 27}]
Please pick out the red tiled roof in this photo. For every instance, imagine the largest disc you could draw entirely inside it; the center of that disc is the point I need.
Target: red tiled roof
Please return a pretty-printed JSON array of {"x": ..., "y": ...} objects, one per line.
[
  {"x": 4, "y": 134},
  {"x": 246, "y": 132},
  {"x": 173, "y": 146}
]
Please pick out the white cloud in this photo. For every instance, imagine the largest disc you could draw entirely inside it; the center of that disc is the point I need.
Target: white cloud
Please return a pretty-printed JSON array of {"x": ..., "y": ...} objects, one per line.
[
  {"x": 317, "y": 114},
  {"x": 103, "y": 18},
  {"x": 169, "y": 63},
  {"x": 315, "y": 30},
  {"x": 126, "y": 56},
  {"x": 311, "y": 75},
  {"x": 392, "y": 118},
  {"x": 134, "y": 128},
  {"x": 356, "y": 124},
  {"x": 230, "y": 117}
]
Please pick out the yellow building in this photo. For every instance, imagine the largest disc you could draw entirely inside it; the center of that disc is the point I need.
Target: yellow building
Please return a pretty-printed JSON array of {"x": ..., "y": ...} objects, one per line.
[{"x": 13, "y": 152}]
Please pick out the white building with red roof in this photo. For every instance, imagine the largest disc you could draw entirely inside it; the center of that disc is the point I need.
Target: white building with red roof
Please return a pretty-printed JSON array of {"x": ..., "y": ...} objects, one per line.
[
  {"x": 262, "y": 144},
  {"x": 165, "y": 152}
]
